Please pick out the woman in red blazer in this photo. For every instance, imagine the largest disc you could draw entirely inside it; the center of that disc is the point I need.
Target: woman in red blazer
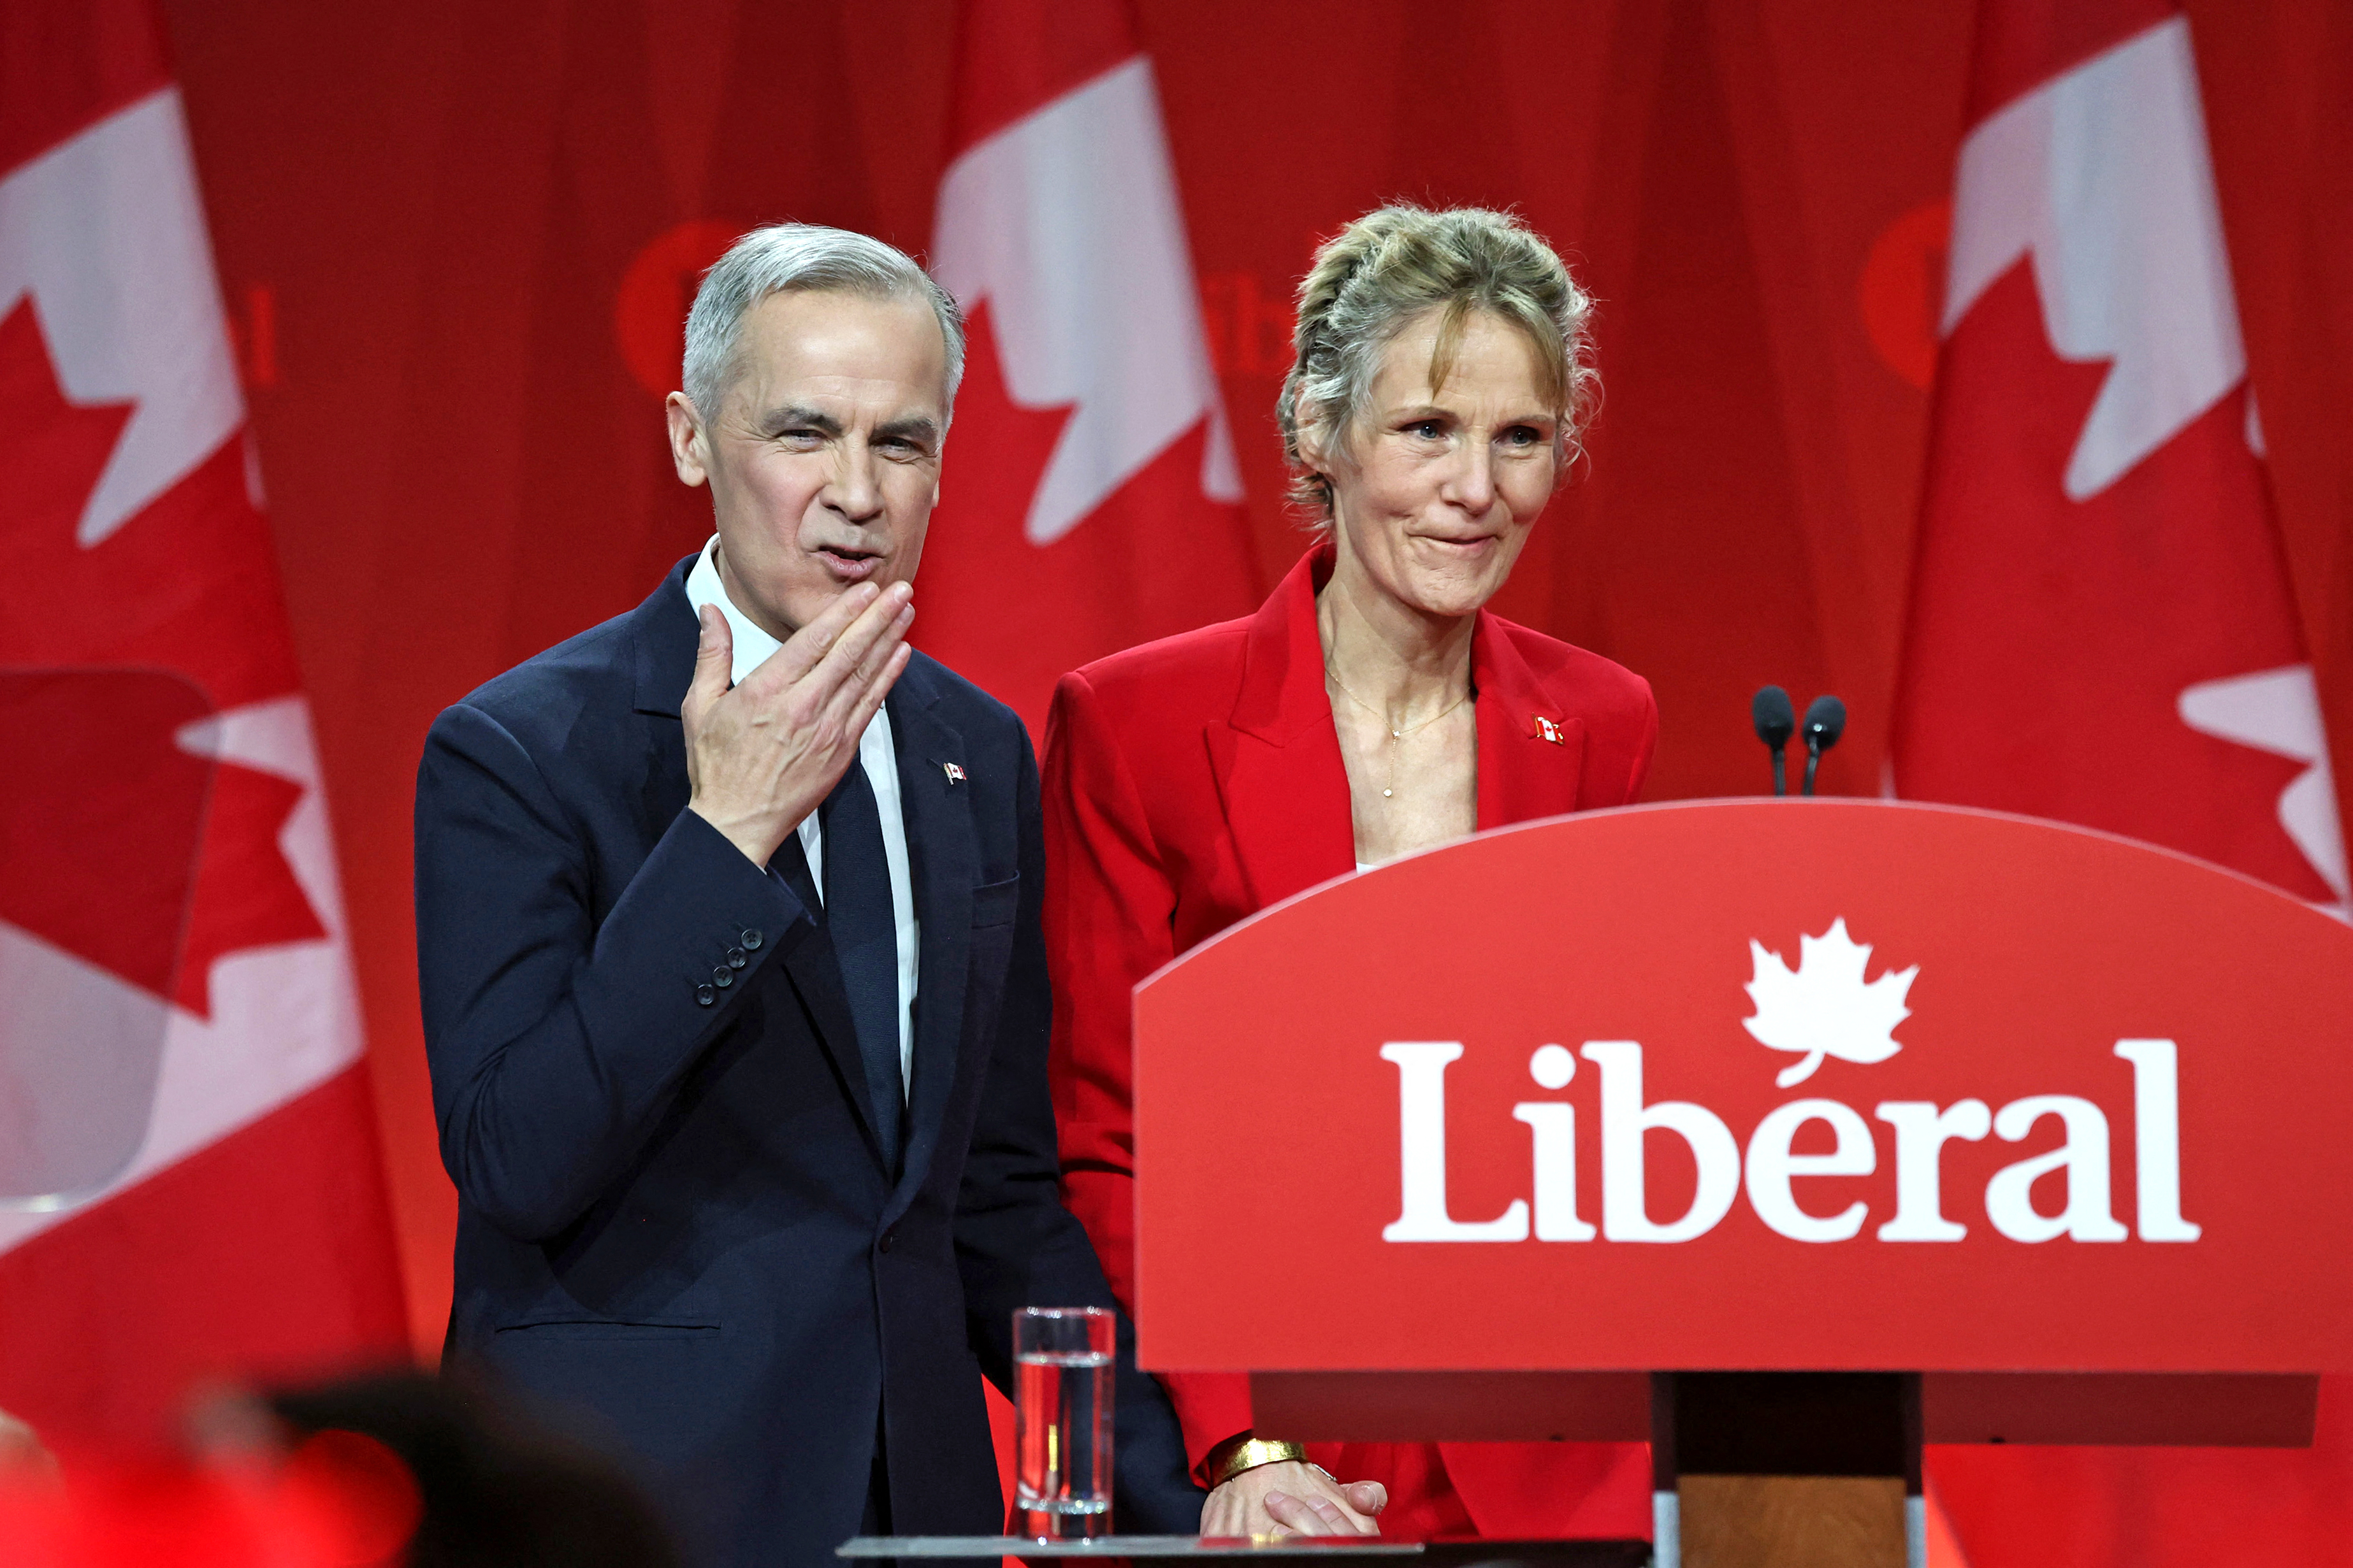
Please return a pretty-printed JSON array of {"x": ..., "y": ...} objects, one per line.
[{"x": 1371, "y": 708}]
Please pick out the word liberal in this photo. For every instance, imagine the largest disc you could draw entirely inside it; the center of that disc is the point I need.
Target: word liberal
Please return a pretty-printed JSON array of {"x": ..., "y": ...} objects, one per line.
[{"x": 1823, "y": 1009}]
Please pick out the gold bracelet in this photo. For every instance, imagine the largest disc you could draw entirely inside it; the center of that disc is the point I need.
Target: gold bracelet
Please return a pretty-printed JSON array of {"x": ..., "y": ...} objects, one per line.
[{"x": 1235, "y": 1455}]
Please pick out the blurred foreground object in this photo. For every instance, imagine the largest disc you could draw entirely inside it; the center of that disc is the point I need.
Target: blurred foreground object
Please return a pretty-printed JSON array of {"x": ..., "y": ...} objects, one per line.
[
  {"x": 336, "y": 1501},
  {"x": 398, "y": 1469},
  {"x": 495, "y": 1487}
]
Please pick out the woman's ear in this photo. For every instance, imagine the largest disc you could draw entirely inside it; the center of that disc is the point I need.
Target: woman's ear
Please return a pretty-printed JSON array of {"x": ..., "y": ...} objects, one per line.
[{"x": 1315, "y": 443}]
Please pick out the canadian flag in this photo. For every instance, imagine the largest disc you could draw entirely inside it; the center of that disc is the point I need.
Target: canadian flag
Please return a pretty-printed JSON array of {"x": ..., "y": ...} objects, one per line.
[
  {"x": 189, "y": 1183},
  {"x": 2101, "y": 629},
  {"x": 1091, "y": 500}
]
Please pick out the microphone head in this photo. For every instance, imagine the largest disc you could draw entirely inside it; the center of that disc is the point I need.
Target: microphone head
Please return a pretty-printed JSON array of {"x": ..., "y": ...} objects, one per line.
[
  {"x": 1774, "y": 717},
  {"x": 1825, "y": 721}
]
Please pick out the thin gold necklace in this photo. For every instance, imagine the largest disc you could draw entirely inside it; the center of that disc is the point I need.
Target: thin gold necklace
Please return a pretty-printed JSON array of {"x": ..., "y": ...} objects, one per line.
[{"x": 1388, "y": 790}]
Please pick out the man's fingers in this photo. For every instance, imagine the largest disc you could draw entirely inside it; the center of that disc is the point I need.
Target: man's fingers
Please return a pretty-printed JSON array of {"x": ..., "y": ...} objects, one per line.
[
  {"x": 806, "y": 647},
  {"x": 874, "y": 624},
  {"x": 855, "y": 706},
  {"x": 848, "y": 700},
  {"x": 870, "y": 697},
  {"x": 885, "y": 648},
  {"x": 714, "y": 661},
  {"x": 870, "y": 636}
]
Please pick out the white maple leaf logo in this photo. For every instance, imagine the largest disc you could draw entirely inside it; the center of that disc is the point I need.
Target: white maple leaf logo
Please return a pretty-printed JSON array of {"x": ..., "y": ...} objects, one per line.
[{"x": 1823, "y": 1009}]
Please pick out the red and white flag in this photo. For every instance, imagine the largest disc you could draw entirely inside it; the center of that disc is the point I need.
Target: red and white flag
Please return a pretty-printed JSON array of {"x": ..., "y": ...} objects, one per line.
[
  {"x": 189, "y": 1181},
  {"x": 1091, "y": 500},
  {"x": 2101, "y": 629}
]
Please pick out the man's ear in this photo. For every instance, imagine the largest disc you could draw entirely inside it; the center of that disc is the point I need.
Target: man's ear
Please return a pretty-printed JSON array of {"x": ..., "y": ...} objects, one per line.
[{"x": 688, "y": 451}]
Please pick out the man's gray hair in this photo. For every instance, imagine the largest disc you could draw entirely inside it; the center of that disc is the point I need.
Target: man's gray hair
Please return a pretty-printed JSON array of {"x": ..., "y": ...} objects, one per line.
[{"x": 798, "y": 257}]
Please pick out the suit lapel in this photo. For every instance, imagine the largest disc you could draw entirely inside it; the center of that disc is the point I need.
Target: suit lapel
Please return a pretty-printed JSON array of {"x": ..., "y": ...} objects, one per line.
[
  {"x": 1287, "y": 810},
  {"x": 665, "y": 633},
  {"x": 1277, "y": 757},
  {"x": 945, "y": 858},
  {"x": 1531, "y": 753}
]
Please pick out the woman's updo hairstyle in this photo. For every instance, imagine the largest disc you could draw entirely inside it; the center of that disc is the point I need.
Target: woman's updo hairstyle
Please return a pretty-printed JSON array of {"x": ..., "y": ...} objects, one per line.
[{"x": 1386, "y": 269}]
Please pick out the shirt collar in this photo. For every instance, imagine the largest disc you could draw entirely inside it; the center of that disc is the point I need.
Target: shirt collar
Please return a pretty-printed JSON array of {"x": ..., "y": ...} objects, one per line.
[{"x": 703, "y": 586}]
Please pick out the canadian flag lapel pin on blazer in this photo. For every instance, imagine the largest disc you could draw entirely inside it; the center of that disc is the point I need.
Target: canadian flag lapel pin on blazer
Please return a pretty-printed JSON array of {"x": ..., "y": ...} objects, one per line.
[
  {"x": 1545, "y": 729},
  {"x": 955, "y": 773}
]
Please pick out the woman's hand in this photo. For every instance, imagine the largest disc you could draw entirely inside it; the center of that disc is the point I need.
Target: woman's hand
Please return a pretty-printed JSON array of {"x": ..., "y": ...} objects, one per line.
[{"x": 1291, "y": 1498}]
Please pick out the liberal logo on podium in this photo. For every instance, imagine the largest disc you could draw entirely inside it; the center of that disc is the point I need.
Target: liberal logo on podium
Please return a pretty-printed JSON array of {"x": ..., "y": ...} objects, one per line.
[
  {"x": 1824, "y": 1008},
  {"x": 1765, "y": 1084}
]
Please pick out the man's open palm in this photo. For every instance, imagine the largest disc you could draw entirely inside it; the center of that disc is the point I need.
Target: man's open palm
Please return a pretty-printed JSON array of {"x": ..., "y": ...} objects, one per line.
[{"x": 760, "y": 756}]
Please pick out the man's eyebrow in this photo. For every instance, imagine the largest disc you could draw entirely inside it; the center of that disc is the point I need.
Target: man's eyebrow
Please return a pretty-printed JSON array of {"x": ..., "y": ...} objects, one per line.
[
  {"x": 780, "y": 420},
  {"x": 915, "y": 427}
]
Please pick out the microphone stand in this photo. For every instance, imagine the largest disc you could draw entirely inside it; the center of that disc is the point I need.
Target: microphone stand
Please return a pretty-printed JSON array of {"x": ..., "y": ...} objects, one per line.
[
  {"x": 1774, "y": 720},
  {"x": 1825, "y": 723}
]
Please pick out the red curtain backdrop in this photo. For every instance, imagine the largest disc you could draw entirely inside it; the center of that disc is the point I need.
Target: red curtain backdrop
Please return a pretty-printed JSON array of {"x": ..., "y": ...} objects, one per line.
[{"x": 455, "y": 240}]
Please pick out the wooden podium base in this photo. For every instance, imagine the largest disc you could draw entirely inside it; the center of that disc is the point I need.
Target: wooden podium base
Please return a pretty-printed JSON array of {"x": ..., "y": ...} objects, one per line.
[
  {"x": 1788, "y": 1470},
  {"x": 986, "y": 1550},
  {"x": 1791, "y": 1521}
]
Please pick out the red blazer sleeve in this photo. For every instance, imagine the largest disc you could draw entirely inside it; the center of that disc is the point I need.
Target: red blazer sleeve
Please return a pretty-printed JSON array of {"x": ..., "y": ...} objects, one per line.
[
  {"x": 1646, "y": 747},
  {"x": 1110, "y": 909}
]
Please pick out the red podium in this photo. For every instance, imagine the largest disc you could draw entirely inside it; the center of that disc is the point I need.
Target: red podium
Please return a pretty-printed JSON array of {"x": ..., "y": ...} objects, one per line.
[{"x": 1861, "y": 1123}]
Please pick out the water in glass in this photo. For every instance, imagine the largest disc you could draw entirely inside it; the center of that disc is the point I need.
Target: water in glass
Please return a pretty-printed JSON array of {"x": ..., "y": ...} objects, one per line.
[{"x": 1062, "y": 1410}]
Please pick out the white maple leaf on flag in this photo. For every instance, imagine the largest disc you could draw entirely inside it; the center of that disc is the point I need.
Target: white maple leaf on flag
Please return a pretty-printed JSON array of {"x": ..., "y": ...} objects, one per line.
[{"x": 1823, "y": 1009}]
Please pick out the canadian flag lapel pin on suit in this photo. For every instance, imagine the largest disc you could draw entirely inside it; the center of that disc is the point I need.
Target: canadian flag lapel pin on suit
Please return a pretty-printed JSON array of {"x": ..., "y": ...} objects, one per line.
[
  {"x": 1546, "y": 729},
  {"x": 955, "y": 773}
]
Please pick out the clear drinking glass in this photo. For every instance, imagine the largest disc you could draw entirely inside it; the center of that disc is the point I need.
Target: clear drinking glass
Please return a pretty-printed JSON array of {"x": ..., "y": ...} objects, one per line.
[{"x": 1062, "y": 1384}]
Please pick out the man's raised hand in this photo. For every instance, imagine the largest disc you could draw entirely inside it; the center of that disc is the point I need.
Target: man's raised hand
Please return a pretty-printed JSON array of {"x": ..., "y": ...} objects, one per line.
[{"x": 762, "y": 756}]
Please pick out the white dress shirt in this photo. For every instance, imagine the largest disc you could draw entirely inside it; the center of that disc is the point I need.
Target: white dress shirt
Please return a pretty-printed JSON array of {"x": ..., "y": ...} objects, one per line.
[{"x": 878, "y": 755}]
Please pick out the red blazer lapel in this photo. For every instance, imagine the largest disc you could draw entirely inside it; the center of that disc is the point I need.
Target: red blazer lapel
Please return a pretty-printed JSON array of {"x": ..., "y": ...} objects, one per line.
[
  {"x": 1530, "y": 752},
  {"x": 1277, "y": 758}
]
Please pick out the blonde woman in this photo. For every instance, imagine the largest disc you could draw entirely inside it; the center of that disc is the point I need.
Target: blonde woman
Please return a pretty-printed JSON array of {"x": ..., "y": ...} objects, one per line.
[{"x": 1372, "y": 706}]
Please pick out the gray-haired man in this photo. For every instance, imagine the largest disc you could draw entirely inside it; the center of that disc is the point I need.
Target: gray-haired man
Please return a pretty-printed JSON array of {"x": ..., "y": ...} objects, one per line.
[{"x": 736, "y": 998}]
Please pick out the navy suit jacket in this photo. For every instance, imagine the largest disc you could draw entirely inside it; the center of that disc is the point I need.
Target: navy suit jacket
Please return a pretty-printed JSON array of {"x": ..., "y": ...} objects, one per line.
[{"x": 674, "y": 1219}]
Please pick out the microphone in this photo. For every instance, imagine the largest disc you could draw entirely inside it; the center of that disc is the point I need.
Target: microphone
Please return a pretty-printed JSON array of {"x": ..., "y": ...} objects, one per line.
[
  {"x": 1775, "y": 719},
  {"x": 1825, "y": 723}
]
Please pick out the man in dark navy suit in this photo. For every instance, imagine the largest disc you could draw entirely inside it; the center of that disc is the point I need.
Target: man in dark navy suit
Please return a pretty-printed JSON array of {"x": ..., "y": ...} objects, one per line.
[{"x": 735, "y": 994}]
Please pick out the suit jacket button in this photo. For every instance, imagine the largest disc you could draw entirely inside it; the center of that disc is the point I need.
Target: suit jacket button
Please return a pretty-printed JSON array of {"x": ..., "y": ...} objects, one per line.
[
  {"x": 735, "y": 958},
  {"x": 704, "y": 995},
  {"x": 751, "y": 939},
  {"x": 723, "y": 977},
  {"x": 888, "y": 1236}
]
